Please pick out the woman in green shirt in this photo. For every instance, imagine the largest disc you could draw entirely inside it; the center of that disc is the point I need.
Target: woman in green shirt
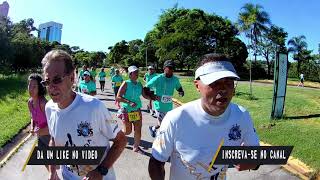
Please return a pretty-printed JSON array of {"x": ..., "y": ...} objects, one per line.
[
  {"x": 130, "y": 113},
  {"x": 87, "y": 86},
  {"x": 116, "y": 82},
  {"x": 102, "y": 79}
]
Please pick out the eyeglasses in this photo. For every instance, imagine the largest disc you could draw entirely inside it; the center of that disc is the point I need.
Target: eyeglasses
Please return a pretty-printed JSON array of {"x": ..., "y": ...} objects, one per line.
[{"x": 55, "y": 81}]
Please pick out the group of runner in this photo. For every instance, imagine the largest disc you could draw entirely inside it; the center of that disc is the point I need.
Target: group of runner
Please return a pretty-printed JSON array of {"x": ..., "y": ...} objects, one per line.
[{"x": 189, "y": 135}]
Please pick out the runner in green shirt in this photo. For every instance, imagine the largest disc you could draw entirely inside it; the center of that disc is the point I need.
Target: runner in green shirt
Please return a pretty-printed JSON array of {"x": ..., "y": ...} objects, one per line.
[
  {"x": 130, "y": 113},
  {"x": 87, "y": 86},
  {"x": 102, "y": 79},
  {"x": 93, "y": 73},
  {"x": 164, "y": 85},
  {"x": 116, "y": 82},
  {"x": 147, "y": 77}
]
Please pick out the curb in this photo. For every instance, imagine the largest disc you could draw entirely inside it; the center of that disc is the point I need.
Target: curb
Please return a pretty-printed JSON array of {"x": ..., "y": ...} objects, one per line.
[
  {"x": 13, "y": 151},
  {"x": 294, "y": 165}
]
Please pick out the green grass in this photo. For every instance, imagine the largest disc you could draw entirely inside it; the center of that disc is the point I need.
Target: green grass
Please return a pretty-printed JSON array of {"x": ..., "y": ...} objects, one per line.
[
  {"x": 14, "y": 114},
  {"x": 300, "y": 126}
]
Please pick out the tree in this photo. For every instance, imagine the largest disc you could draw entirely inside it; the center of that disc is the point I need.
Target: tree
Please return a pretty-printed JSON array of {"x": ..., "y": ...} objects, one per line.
[
  {"x": 298, "y": 45},
  {"x": 184, "y": 35},
  {"x": 253, "y": 20},
  {"x": 272, "y": 40},
  {"x": 118, "y": 52}
]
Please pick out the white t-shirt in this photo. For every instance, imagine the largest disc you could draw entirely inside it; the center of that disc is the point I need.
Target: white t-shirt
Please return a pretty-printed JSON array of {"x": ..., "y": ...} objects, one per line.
[
  {"x": 191, "y": 137},
  {"x": 85, "y": 122},
  {"x": 301, "y": 76}
]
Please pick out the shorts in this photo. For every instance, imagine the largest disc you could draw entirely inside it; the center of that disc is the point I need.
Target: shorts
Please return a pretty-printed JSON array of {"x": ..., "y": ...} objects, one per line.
[
  {"x": 116, "y": 89},
  {"x": 160, "y": 115},
  {"x": 102, "y": 82},
  {"x": 301, "y": 80},
  {"x": 43, "y": 141},
  {"x": 123, "y": 114}
]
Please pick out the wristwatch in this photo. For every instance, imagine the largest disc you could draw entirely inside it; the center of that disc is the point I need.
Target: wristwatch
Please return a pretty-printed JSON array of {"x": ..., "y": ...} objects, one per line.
[{"x": 102, "y": 170}]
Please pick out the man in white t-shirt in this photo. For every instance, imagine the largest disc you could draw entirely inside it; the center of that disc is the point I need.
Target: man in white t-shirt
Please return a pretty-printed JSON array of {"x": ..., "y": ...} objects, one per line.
[
  {"x": 191, "y": 134},
  {"x": 76, "y": 119}
]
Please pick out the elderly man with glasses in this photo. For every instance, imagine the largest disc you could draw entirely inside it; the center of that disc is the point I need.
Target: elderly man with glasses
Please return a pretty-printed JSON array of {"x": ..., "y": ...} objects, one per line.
[{"x": 76, "y": 119}]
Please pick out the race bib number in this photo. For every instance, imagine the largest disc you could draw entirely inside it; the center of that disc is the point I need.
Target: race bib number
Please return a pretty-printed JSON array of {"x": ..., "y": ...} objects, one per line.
[
  {"x": 118, "y": 84},
  {"x": 134, "y": 116},
  {"x": 166, "y": 99}
]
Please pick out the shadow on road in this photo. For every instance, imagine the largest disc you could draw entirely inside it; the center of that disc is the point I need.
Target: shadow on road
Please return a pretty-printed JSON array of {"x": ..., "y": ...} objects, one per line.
[
  {"x": 303, "y": 117},
  {"x": 144, "y": 144}
]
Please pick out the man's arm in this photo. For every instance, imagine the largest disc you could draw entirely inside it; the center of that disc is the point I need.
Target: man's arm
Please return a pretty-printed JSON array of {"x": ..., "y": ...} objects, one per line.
[
  {"x": 119, "y": 143},
  {"x": 52, "y": 168},
  {"x": 156, "y": 169}
]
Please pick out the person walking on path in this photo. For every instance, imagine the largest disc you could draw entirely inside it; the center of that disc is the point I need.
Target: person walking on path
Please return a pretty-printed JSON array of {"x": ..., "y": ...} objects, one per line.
[
  {"x": 76, "y": 119},
  {"x": 93, "y": 73},
  {"x": 102, "y": 79},
  {"x": 129, "y": 97},
  {"x": 301, "y": 83},
  {"x": 116, "y": 81},
  {"x": 36, "y": 105},
  {"x": 191, "y": 134},
  {"x": 147, "y": 77},
  {"x": 87, "y": 86},
  {"x": 164, "y": 85}
]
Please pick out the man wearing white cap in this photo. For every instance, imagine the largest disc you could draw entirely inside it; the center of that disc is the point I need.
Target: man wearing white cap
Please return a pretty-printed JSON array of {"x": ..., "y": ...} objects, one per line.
[
  {"x": 191, "y": 134},
  {"x": 147, "y": 77}
]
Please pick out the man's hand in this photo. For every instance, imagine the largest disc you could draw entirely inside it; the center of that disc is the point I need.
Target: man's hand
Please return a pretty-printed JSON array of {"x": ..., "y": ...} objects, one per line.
[
  {"x": 53, "y": 176},
  {"x": 93, "y": 175}
]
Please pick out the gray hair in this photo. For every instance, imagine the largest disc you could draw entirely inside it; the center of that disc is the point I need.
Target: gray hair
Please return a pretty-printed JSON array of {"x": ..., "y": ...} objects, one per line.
[{"x": 59, "y": 55}]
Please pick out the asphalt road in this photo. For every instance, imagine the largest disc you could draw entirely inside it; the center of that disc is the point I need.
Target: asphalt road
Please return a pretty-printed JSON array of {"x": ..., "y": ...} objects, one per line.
[{"x": 131, "y": 165}]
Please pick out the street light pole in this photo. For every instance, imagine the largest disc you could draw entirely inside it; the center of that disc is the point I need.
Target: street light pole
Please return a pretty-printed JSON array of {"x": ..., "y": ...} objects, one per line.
[{"x": 146, "y": 56}]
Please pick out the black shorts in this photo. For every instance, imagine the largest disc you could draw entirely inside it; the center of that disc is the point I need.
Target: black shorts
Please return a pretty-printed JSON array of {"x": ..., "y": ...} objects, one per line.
[
  {"x": 43, "y": 141},
  {"x": 102, "y": 82}
]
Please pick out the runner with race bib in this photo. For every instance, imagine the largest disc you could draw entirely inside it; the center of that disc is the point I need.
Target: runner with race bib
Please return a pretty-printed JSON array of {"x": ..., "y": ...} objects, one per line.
[
  {"x": 164, "y": 85},
  {"x": 116, "y": 82},
  {"x": 130, "y": 113}
]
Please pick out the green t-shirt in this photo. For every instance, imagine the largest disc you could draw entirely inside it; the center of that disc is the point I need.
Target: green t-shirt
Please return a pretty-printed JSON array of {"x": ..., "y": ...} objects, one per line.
[
  {"x": 117, "y": 79},
  {"x": 133, "y": 93},
  {"x": 102, "y": 76},
  {"x": 112, "y": 72},
  {"x": 164, "y": 88},
  {"x": 149, "y": 77},
  {"x": 88, "y": 87},
  {"x": 93, "y": 74}
]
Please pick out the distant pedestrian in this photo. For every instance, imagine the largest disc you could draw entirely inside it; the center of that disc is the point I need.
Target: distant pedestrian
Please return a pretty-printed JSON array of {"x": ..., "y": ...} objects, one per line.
[
  {"x": 36, "y": 106},
  {"x": 301, "y": 80}
]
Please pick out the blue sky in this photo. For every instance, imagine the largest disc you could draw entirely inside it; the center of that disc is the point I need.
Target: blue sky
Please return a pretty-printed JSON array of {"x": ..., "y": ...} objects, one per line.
[{"x": 97, "y": 24}]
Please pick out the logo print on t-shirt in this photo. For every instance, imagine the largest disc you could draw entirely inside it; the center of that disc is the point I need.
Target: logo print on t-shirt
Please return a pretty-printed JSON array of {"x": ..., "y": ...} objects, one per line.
[
  {"x": 84, "y": 129},
  {"x": 235, "y": 132}
]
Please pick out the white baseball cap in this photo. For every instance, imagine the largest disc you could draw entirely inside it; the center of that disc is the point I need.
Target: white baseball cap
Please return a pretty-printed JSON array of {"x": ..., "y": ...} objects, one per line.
[
  {"x": 213, "y": 71},
  {"x": 150, "y": 67},
  {"x": 87, "y": 73},
  {"x": 132, "y": 69}
]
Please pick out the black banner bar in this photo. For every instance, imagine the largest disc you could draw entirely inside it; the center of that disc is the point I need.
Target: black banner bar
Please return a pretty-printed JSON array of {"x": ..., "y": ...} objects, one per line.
[
  {"x": 67, "y": 156},
  {"x": 254, "y": 154}
]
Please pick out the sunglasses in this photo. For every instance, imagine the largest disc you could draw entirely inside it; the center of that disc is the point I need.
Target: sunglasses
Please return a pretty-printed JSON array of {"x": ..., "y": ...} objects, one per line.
[{"x": 55, "y": 81}]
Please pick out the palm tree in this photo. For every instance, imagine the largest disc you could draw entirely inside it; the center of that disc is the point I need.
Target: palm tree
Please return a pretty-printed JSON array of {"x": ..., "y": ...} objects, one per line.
[
  {"x": 298, "y": 46},
  {"x": 252, "y": 21}
]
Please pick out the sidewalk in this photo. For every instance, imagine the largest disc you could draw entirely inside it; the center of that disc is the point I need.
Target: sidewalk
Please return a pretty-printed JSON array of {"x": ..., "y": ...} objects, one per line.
[{"x": 130, "y": 165}]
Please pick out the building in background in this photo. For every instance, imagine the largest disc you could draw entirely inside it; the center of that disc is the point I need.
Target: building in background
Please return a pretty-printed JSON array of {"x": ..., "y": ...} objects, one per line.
[
  {"x": 50, "y": 31},
  {"x": 4, "y": 9}
]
